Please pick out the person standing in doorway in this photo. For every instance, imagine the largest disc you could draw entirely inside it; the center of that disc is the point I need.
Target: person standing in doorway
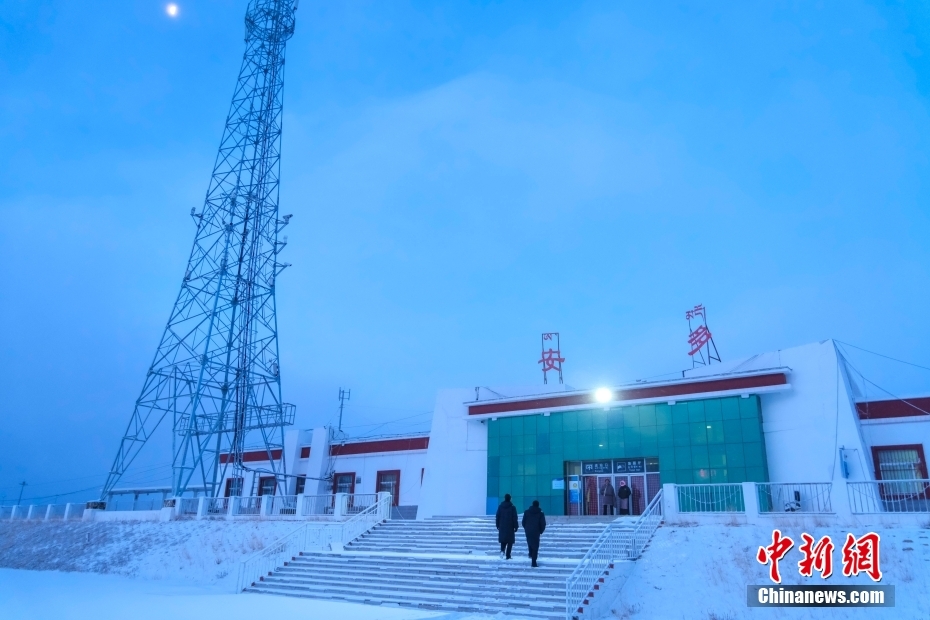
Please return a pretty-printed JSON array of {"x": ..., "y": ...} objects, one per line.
[
  {"x": 608, "y": 498},
  {"x": 623, "y": 497},
  {"x": 506, "y": 526},
  {"x": 534, "y": 524}
]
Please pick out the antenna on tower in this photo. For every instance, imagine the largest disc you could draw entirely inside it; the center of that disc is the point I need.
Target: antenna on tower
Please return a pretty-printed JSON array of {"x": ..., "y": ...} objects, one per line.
[{"x": 344, "y": 395}]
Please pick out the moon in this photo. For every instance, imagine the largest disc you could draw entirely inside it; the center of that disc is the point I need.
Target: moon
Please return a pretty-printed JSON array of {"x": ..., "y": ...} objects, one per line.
[{"x": 172, "y": 10}]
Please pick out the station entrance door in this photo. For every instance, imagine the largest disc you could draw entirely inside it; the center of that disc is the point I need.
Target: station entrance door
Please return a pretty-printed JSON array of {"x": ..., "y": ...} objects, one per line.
[{"x": 592, "y": 479}]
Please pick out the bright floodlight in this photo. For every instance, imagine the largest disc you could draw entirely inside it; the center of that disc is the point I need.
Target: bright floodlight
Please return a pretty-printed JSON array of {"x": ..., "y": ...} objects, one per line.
[
  {"x": 172, "y": 10},
  {"x": 603, "y": 395}
]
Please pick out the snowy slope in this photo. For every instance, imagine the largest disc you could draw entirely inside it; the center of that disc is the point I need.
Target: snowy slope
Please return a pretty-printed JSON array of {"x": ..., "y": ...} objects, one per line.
[
  {"x": 199, "y": 552},
  {"x": 702, "y": 573}
]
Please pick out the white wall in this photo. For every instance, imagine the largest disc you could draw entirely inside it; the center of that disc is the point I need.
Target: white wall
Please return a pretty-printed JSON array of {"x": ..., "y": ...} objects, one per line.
[
  {"x": 367, "y": 466},
  {"x": 805, "y": 426},
  {"x": 456, "y": 478}
]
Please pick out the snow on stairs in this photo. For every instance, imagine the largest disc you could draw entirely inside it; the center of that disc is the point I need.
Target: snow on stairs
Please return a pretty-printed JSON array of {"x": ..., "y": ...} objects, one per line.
[
  {"x": 441, "y": 564},
  {"x": 563, "y": 539}
]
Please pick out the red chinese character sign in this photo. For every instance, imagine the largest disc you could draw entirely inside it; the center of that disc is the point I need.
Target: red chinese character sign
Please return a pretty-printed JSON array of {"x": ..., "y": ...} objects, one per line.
[
  {"x": 551, "y": 355},
  {"x": 701, "y": 341},
  {"x": 860, "y": 555}
]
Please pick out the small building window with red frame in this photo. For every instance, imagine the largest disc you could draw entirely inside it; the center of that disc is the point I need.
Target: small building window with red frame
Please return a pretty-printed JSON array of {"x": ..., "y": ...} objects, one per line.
[
  {"x": 899, "y": 462},
  {"x": 233, "y": 487},
  {"x": 898, "y": 467},
  {"x": 344, "y": 483}
]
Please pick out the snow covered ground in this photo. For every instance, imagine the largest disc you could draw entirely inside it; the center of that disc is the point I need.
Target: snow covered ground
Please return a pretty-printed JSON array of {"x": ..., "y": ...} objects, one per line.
[
  {"x": 186, "y": 570},
  {"x": 198, "y": 552},
  {"x": 38, "y": 595},
  {"x": 702, "y": 573}
]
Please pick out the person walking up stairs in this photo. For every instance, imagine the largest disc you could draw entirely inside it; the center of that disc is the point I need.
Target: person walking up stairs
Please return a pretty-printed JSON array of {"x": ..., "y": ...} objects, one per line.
[
  {"x": 506, "y": 526},
  {"x": 534, "y": 524}
]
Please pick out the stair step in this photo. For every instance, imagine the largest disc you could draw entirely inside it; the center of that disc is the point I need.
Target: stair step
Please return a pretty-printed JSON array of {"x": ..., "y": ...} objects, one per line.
[
  {"x": 509, "y": 606},
  {"x": 447, "y": 564}
]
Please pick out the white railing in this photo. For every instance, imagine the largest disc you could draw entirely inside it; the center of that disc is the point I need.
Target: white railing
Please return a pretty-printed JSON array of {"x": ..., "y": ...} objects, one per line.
[
  {"x": 644, "y": 527},
  {"x": 882, "y": 496},
  {"x": 188, "y": 506},
  {"x": 56, "y": 512},
  {"x": 319, "y": 505},
  {"x": 801, "y": 497},
  {"x": 283, "y": 506},
  {"x": 247, "y": 506},
  {"x": 40, "y": 512},
  {"x": 726, "y": 497},
  {"x": 615, "y": 543},
  {"x": 358, "y": 503},
  {"x": 217, "y": 506},
  {"x": 310, "y": 536},
  {"x": 138, "y": 504}
]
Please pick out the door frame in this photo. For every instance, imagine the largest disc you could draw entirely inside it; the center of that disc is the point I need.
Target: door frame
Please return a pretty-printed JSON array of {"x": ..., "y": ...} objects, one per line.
[{"x": 396, "y": 496}]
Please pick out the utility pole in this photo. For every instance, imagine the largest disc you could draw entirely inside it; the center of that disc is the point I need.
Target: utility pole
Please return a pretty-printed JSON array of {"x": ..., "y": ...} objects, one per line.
[
  {"x": 344, "y": 395},
  {"x": 22, "y": 487}
]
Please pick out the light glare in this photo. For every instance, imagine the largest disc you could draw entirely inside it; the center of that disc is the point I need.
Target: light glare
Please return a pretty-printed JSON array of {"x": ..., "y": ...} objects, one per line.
[
  {"x": 172, "y": 10},
  {"x": 603, "y": 395}
]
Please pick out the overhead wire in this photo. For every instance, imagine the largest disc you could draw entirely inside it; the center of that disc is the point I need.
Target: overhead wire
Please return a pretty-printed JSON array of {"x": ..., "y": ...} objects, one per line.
[
  {"x": 885, "y": 356},
  {"x": 869, "y": 381}
]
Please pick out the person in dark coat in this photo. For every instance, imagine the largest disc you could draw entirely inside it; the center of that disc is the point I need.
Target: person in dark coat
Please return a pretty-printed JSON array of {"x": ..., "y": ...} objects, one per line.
[
  {"x": 534, "y": 524},
  {"x": 506, "y": 526},
  {"x": 623, "y": 497},
  {"x": 608, "y": 498}
]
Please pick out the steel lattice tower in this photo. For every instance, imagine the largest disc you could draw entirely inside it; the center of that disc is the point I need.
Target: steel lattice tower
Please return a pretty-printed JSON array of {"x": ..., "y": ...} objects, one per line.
[{"x": 216, "y": 370}]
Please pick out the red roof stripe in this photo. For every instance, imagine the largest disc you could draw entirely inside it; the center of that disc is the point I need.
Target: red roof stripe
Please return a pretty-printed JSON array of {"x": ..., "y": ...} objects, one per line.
[
  {"x": 254, "y": 456},
  {"x": 882, "y": 409},
  {"x": 381, "y": 445},
  {"x": 637, "y": 393}
]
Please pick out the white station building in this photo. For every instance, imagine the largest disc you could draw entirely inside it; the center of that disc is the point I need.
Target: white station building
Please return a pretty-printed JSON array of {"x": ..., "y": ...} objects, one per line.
[{"x": 788, "y": 416}]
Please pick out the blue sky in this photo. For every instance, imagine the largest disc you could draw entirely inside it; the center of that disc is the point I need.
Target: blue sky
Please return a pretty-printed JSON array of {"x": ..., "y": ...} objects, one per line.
[{"x": 463, "y": 177}]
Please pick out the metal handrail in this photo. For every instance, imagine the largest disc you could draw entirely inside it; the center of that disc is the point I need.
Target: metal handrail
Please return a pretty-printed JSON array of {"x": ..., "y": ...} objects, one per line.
[
  {"x": 883, "y": 496},
  {"x": 188, "y": 506},
  {"x": 250, "y": 505},
  {"x": 800, "y": 497},
  {"x": 322, "y": 505},
  {"x": 717, "y": 497},
  {"x": 278, "y": 553},
  {"x": 616, "y": 542}
]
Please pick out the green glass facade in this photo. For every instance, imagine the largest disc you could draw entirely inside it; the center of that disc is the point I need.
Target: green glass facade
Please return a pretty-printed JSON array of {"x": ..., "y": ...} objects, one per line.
[{"x": 700, "y": 441}]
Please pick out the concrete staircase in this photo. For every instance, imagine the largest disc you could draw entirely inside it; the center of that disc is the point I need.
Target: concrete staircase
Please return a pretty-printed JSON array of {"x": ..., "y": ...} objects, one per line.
[
  {"x": 563, "y": 539},
  {"x": 448, "y": 564}
]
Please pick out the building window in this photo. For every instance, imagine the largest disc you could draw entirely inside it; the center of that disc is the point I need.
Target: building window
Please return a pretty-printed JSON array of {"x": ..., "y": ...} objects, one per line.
[
  {"x": 305, "y": 452},
  {"x": 344, "y": 483},
  {"x": 899, "y": 462},
  {"x": 301, "y": 485},
  {"x": 389, "y": 482},
  {"x": 233, "y": 487},
  {"x": 266, "y": 485}
]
